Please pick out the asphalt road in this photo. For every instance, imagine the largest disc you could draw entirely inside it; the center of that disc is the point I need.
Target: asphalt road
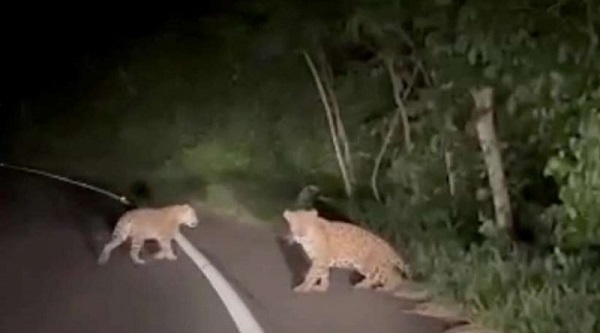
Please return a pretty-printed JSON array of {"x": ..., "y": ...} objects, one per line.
[{"x": 52, "y": 232}]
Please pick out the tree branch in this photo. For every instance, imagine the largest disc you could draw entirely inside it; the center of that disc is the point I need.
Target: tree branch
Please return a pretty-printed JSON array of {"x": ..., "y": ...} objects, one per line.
[
  {"x": 388, "y": 137},
  {"x": 330, "y": 121},
  {"x": 397, "y": 87},
  {"x": 339, "y": 125}
]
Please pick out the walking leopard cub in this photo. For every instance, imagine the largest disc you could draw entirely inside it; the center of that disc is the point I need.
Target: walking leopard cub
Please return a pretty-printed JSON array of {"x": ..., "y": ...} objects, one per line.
[
  {"x": 333, "y": 244},
  {"x": 143, "y": 224}
]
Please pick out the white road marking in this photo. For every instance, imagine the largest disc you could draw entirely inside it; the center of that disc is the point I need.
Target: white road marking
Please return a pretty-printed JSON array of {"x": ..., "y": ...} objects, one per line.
[{"x": 241, "y": 315}]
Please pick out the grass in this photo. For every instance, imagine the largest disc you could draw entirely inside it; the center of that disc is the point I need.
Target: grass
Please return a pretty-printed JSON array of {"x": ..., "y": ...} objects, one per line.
[{"x": 502, "y": 286}]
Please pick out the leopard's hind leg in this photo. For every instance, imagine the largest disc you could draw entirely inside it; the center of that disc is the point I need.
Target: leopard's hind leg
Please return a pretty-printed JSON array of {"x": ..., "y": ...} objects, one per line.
[
  {"x": 373, "y": 275},
  {"x": 136, "y": 246}
]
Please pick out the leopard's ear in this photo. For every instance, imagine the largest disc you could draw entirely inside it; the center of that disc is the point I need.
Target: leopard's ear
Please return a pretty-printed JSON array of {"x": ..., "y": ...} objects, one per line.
[{"x": 288, "y": 214}]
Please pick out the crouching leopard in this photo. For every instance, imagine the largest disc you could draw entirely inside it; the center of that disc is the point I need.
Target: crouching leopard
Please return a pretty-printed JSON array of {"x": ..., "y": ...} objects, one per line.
[
  {"x": 333, "y": 244},
  {"x": 160, "y": 224}
]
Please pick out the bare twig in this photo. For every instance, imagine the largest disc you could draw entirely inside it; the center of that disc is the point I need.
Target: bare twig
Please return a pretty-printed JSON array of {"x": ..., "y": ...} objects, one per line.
[
  {"x": 408, "y": 40},
  {"x": 330, "y": 120},
  {"x": 397, "y": 87},
  {"x": 339, "y": 125},
  {"x": 421, "y": 67},
  {"x": 388, "y": 137}
]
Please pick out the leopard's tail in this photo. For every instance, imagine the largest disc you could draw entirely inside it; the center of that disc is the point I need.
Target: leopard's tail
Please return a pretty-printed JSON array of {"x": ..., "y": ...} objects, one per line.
[
  {"x": 403, "y": 267},
  {"x": 123, "y": 227}
]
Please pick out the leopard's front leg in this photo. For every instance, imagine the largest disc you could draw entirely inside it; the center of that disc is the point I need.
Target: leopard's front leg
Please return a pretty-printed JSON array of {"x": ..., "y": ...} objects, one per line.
[{"x": 318, "y": 271}]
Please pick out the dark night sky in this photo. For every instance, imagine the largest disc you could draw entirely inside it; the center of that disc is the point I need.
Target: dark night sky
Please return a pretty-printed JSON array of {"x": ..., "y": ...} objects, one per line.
[{"x": 40, "y": 47}]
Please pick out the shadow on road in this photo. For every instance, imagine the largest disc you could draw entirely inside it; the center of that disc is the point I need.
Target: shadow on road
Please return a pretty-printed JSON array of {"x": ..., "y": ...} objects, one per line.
[{"x": 295, "y": 260}]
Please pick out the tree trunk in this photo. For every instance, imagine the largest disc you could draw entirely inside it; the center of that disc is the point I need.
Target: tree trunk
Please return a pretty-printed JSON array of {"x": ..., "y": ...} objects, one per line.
[{"x": 486, "y": 133}]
